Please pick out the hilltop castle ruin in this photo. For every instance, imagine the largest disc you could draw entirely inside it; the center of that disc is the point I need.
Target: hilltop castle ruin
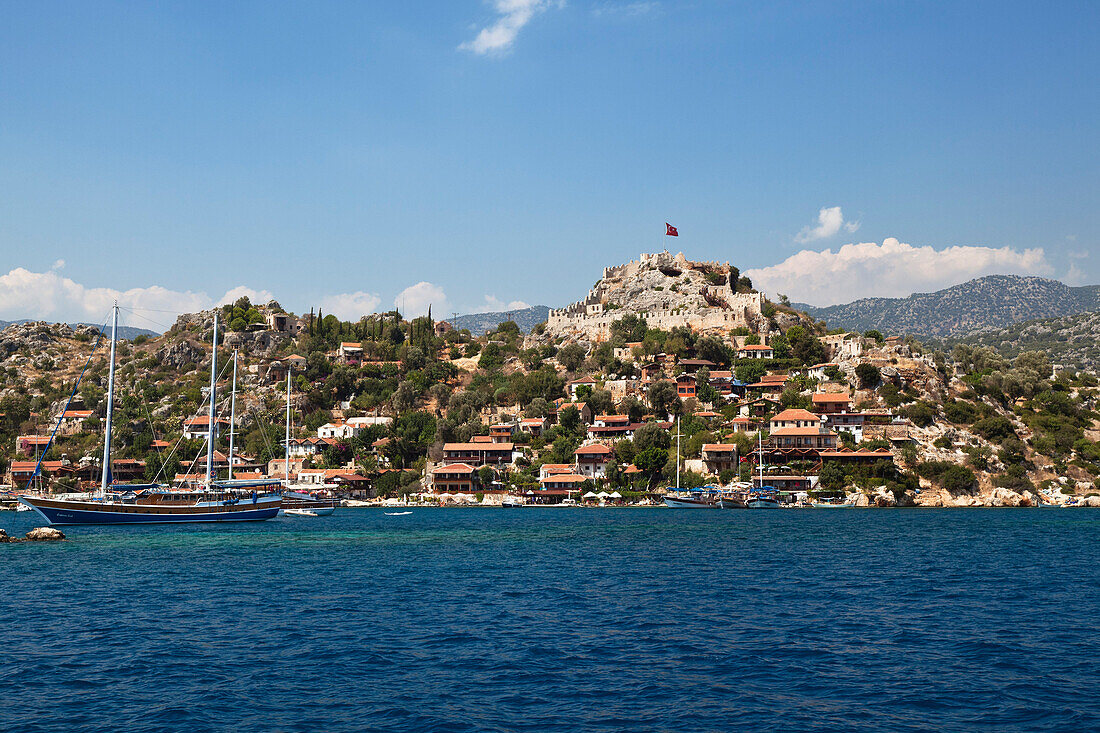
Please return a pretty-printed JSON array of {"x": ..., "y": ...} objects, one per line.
[{"x": 667, "y": 291}]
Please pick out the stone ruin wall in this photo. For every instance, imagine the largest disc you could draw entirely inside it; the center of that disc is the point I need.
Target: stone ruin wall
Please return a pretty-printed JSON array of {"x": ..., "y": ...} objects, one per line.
[{"x": 746, "y": 309}]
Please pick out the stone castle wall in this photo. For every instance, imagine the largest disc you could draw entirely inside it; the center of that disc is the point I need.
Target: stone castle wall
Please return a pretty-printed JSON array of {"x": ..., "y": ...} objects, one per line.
[{"x": 745, "y": 310}]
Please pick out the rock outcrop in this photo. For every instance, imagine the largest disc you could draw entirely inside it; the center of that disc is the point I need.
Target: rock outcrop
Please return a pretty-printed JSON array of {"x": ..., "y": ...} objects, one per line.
[
  {"x": 44, "y": 534},
  {"x": 179, "y": 353}
]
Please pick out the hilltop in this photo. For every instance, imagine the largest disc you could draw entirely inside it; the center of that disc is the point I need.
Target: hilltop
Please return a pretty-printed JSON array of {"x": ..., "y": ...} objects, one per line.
[
  {"x": 982, "y": 304},
  {"x": 668, "y": 291}
]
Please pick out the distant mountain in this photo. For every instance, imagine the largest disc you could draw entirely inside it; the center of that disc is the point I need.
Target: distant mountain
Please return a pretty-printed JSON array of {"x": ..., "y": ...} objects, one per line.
[
  {"x": 124, "y": 332},
  {"x": 526, "y": 319},
  {"x": 990, "y": 302},
  {"x": 1069, "y": 341}
]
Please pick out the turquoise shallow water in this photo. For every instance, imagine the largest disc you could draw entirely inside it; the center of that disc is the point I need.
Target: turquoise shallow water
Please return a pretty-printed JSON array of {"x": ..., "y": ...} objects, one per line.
[{"x": 559, "y": 620}]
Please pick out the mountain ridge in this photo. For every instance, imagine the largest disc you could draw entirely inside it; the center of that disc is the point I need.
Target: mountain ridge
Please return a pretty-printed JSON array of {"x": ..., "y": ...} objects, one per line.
[
  {"x": 480, "y": 323},
  {"x": 990, "y": 302},
  {"x": 124, "y": 332}
]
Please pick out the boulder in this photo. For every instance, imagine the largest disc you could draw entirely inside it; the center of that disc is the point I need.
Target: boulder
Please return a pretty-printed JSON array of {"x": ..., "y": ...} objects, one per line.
[
  {"x": 1090, "y": 501},
  {"x": 44, "y": 534},
  {"x": 179, "y": 353},
  {"x": 4, "y": 536},
  {"x": 884, "y": 498},
  {"x": 862, "y": 499}
]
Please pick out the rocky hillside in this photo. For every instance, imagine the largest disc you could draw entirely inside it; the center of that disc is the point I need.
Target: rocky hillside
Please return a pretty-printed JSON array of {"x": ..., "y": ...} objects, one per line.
[
  {"x": 124, "y": 332},
  {"x": 481, "y": 323},
  {"x": 983, "y": 304},
  {"x": 1071, "y": 341}
]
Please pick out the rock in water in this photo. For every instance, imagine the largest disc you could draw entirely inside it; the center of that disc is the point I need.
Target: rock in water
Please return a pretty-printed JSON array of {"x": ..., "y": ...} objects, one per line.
[
  {"x": 4, "y": 536},
  {"x": 45, "y": 534}
]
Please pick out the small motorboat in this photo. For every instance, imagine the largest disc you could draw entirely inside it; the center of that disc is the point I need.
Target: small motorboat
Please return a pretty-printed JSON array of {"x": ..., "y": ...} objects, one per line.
[{"x": 301, "y": 513}]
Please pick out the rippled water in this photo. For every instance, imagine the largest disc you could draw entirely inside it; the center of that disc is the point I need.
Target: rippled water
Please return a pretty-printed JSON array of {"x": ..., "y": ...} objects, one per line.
[{"x": 559, "y": 620}]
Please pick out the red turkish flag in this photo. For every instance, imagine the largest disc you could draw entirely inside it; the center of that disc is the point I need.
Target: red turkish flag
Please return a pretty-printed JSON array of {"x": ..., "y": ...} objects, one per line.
[{"x": 670, "y": 231}]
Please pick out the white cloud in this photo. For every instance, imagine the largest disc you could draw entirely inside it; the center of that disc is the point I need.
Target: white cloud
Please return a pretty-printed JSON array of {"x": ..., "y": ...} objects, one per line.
[
  {"x": 256, "y": 297},
  {"x": 350, "y": 306},
  {"x": 414, "y": 300},
  {"x": 890, "y": 269},
  {"x": 1074, "y": 276},
  {"x": 58, "y": 264},
  {"x": 50, "y": 296},
  {"x": 830, "y": 220},
  {"x": 493, "y": 304},
  {"x": 512, "y": 16}
]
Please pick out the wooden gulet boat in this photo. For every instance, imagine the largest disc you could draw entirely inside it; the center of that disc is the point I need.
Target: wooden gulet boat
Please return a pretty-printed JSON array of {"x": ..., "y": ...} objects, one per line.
[{"x": 216, "y": 501}]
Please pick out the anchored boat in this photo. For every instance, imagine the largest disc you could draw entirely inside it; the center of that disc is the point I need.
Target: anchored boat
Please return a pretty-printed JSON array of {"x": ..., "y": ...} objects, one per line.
[{"x": 214, "y": 501}]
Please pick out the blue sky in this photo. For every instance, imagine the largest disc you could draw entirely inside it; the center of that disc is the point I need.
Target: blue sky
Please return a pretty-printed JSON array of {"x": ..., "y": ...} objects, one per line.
[{"x": 494, "y": 153}]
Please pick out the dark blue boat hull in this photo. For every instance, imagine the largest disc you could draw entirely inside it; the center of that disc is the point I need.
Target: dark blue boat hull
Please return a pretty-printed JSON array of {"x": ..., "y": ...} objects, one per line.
[{"x": 71, "y": 515}]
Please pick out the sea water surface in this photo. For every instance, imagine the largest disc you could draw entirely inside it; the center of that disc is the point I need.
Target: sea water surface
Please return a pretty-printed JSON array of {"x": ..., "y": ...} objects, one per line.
[{"x": 559, "y": 620}]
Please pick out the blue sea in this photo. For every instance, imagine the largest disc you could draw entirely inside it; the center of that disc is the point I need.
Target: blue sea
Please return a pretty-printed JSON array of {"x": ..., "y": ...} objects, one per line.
[{"x": 559, "y": 620}]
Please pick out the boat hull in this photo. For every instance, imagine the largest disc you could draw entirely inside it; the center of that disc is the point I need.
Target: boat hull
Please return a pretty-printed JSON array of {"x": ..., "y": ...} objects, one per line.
[
  {"x": 762, "y": 503},
  {"x": 731, "y": 503},
  {"x": 61, "y": 512},
  {"x": 688, "y": 503}
]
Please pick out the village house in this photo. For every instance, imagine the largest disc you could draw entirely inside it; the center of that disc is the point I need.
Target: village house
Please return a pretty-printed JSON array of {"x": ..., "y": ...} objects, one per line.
[
  {"x": 501, "y": 432},
  {"x": 581, "y": 407},
  {"x": 742, "y": 424},
  {"x": 295, "y": 362},
  {"x": 759, "y": 407},
  {"x": 615, "y": 427},
  {"x": 851, "y": 422},
  {"x": 197, "y": 428},
  {"x": 558, "y": 486},
  {"x": 805, "y": 439},
  {"x": 572, "y": 386},
  {"x": 334, "y": 430},
  {"x": 756, "y": 351},
  {"x": 276, "y": 467},
  {"x": 832, "y": 402},
  {"x": 549, "y": 469},
  {"x": 350, "y": 352},
  {"x": 31, "y": 444},
  {"x": 71, "y": 422},
  {"x": 478, "y": 453},
  {"x": 718, "y": 457},
  {"x": 792, "y": 418},
  {"x": 453, "y": 478},
  {"x": 20, "y": 472},
  {"x": 532, "y": 425},
  {"x": 306, "y": 447},
  {"x": 685, "y": 386},
  {"x": 319, "y": 476},
  {"x": 772, "y": 384},
  {"x": 690, "y": 366},
  {"x": 592, "y": 460}
]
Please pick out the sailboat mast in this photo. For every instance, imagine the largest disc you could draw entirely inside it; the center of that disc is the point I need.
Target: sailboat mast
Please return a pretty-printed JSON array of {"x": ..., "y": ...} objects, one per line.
[
  {"x": 286, "y": 457},
  {"x": 110, "y": 406},
  {"x": 210, "y": 424},
  {"x": 233, "y": 415},
  {"x": 677, "y": 452}
]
